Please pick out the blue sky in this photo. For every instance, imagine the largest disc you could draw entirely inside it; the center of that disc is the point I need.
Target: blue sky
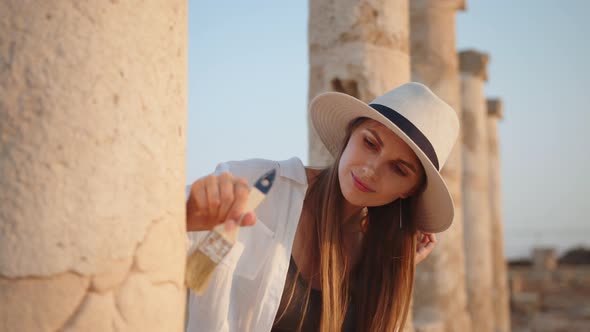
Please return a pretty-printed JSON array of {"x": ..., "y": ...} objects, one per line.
[{"x": 248, "y": 84}]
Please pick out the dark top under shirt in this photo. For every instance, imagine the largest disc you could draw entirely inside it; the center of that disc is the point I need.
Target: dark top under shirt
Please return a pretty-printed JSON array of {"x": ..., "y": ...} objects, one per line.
[{"x": 291, "y": 319}]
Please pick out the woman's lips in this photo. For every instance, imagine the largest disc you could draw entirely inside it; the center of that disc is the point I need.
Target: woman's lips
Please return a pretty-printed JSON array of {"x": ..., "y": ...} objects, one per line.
[{"x": 360, "y": 185}]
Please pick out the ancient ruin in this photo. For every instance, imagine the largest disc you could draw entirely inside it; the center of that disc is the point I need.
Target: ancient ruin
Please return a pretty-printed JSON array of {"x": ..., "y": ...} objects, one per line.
[
  {"x": 440, "y": 300},
  {"x": 92, "y": 134}
]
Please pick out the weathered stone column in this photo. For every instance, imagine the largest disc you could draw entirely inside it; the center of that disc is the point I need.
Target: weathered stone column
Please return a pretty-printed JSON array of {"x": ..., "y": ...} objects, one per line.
[
  {"x": 476, "y": 199},
  {"x": 500, "y": 294},
  {"x": 92, "y": 165},
  {"x": 356, "y": 47},
  {"x": 440, "y": 295}
]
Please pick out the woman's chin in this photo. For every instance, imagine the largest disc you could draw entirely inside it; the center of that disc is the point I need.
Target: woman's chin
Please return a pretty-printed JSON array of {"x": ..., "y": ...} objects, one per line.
[{"x": 354, "y": 198}]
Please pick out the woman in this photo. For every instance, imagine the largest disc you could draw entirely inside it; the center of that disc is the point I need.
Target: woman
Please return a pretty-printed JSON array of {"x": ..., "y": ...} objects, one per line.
[{"x": 335, "y": 248}]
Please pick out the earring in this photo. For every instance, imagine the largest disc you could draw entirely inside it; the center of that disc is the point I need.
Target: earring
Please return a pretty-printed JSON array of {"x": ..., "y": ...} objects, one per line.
[{"x": 400, "y": 213}]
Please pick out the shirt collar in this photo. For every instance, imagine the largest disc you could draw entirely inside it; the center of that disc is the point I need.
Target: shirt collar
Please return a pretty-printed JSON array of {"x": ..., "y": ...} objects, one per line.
[{"x": 293, "y": 169}]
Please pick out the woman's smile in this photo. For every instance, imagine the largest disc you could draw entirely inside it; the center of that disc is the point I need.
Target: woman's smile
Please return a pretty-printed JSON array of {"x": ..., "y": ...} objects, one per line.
[{"x": 360, "y": 185}]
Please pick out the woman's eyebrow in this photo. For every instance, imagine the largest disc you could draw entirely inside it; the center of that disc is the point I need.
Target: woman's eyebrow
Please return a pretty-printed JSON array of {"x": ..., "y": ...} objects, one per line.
[{"x": 407, "y": 163}]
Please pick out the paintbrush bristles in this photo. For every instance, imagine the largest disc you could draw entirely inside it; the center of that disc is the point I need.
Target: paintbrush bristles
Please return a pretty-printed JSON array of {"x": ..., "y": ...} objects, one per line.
[
  {"x": 199, "y": 269},
  {"x": 202, "y": 262}
]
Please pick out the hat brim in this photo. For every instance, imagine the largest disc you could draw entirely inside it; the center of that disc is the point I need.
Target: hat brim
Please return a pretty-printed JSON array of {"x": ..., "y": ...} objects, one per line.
[{"x": 331, "y": 112}]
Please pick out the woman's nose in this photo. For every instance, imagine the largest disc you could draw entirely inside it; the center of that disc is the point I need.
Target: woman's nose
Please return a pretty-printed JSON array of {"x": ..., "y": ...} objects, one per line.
[{"x": 367, "y": 172}]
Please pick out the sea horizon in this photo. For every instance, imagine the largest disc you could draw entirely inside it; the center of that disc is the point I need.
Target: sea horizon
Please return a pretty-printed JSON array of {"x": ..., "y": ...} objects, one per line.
[{"x": 519, "y": 242}]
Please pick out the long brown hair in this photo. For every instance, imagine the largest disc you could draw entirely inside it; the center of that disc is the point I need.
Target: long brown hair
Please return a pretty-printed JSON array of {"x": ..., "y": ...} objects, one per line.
[{"x": 382, "y": 282}]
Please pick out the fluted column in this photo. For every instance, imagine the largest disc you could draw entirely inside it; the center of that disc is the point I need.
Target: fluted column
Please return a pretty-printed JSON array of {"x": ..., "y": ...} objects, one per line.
[
  {"x": 356, "y": 47},
  {"x": 500, "y": 294},
  {"x": 440, "y": 302},
  {"x": 92, "y": 165},
  {"x": 476, "y": 199}
]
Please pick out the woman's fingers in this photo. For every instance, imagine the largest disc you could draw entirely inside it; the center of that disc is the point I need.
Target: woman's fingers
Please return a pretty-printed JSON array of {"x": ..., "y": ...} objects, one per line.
[
  {"x": 249, "y": 219},
  {"x": 197, "y": 208},
  {"x": 226, "y": 195},
  {"x": 241, "y": 191},
  {"x": 425, "y": 246},
  {"x": 216, "y": 199},
  {"x": 212, "y": 190},
  {"x": 432, "y": 238},
  {"x": 424, "y": 237},
  {"x": 200, "y": 197}
]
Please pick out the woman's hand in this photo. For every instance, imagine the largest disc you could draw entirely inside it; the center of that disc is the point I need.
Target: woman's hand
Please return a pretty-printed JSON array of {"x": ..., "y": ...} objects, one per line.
[
  {"x": 215, "y": 199},
  {"x": 426, "y": 243}
]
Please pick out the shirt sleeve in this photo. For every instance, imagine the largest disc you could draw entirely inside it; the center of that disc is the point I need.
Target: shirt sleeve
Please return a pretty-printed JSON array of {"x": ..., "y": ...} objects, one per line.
[{"x": 209, "y": 312}]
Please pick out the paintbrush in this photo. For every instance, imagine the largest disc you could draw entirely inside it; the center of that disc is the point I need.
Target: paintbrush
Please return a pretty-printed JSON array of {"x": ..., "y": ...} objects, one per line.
[{"x": 219, "y": 241}]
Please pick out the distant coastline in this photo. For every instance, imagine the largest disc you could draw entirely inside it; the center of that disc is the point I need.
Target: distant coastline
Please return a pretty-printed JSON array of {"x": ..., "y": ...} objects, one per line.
[
  {"x": 519, "y": 243},
  {"x": 574, "y": 256}
]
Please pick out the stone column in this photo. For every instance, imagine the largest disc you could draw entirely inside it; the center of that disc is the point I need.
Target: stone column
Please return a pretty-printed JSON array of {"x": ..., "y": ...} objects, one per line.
[
  {"x": 500, "y": 295},
  {"x": 476, "y": 199},
  {"x": 440, "y": 301},
  {"x": 92, "y": 165},
  {"x": 357, "y": 47}
]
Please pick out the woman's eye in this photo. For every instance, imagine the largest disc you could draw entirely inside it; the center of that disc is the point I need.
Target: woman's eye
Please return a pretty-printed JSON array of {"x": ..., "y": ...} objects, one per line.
[
  {"x": 396, "y": 168},
  {"x": 370, "y": 144}
]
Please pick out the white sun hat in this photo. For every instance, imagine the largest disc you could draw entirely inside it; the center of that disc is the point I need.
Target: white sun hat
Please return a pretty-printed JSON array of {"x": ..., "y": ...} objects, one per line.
[{"x": 424, "y": 121}]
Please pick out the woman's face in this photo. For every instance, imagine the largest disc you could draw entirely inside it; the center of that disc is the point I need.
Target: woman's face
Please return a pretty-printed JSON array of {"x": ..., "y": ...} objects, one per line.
[{"x": 377, "y": 167}]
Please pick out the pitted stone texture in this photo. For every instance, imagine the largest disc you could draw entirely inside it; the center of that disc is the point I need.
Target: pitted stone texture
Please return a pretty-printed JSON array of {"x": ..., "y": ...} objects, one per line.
[
  {"x": 358, "y": 48},
  {"x": 111, "y": 277},
  {"x": 160, "y": 252},
  {"x": 376, "y": 22},
  {"x": 434, "y": 57},
  {"x": 440, "y": 299},
  {"x": 92, "y": 116},
  {"x": 476, "y": 203},
  {"x": 500, "y": 294},
  {"x": 92, "y": 153},
  {"x": 147, "y": 306},
  {"x": 45, "y": 304}
]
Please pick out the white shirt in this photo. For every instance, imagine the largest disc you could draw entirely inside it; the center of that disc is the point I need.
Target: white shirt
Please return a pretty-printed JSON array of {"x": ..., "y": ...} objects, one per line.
[{"x": 246, "y": 287}]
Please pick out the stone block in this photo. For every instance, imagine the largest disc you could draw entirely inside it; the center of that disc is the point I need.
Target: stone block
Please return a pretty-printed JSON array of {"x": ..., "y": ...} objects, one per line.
[
  {"x": 160, "y": 252},
  {"x": 437, "y": 326},
  {"x": 516, "y": 283},
  {"x": 544, "y": 259},
  {"x": 526, "y": 303},
  {"x": 97, "y": 313},
  {"x": 147, "y": 306},
  {"x": 551, "y": 322},
  {"x": 111, "y": 277},
  {"x": 40, "y": 304}
]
